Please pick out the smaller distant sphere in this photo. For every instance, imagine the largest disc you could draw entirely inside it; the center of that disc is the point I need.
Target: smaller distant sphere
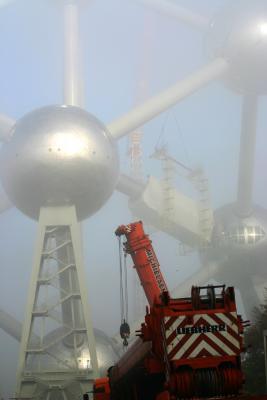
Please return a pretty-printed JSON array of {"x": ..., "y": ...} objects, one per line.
[
  {"x": 59, "y": 156},
  {"x": 240, "y": 236},
  {"x": 239, "y": 34},
  {"x": 106, "y": 351}
]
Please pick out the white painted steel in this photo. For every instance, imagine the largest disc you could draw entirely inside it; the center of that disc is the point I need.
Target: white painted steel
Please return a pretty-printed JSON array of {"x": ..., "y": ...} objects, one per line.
[
  {"x": 6, "y": 124},
  {"x": 182, "y": 14},
  {"x": 73, "y": 82},
  {"x": 201, "y": 277},
  {"x": 10, "y": 325},
  {"x": 247, "y": 155},
  {"x": 4, "y": 3},
  {"x": 63, "y": 373},
  {"x": 161, "y": 102},
  {"x": 184, "y": 223},
  {"x": 130, "y": 186},
  {"x": 5, "y": 203}
]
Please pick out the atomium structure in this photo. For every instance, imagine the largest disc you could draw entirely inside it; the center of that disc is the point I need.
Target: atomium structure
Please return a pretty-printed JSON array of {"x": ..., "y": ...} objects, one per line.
[
  {"x": 236, "y": 42},
  {"x": 60, "y": 164}
]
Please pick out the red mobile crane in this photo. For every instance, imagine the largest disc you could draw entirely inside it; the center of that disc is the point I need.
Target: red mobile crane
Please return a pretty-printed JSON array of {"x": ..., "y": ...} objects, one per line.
[{"x": 187, "y": 348}]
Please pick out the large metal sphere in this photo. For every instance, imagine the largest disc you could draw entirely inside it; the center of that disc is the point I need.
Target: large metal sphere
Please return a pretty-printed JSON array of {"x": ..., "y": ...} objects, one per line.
[
  {"x": 238, "y": 236},
  {"x": 239, "y": 34},
  {"x": 59, "y": 155},
  {"x": 106, "y": 350},
  {"x": 239, "y": 249}
]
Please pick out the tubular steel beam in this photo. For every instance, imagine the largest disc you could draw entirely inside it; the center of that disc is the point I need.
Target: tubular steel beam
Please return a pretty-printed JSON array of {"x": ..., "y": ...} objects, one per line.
[
  {"x": 10, "y": 325},
  {"x": 161, "y": 102},
  {"x": 130, "y": 186},
  {"x": 73, "y": 84},
  {"x": 247, "y": 155},
  {"x": 6, "y": 124},
  {"x": 5, "y": 204},
  {"x": 182, "y": 14}
]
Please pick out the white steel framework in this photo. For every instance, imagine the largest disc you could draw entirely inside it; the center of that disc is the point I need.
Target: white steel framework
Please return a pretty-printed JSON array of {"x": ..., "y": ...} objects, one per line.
[{"x": 57, "y": 355}]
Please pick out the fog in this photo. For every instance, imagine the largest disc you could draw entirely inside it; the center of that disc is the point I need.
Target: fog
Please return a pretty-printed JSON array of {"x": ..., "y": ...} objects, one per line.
[{"x": 202, "y": 130}]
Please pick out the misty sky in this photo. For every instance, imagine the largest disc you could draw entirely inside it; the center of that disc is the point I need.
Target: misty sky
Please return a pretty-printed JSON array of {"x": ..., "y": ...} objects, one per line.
[{"x": 31, "y": 39}]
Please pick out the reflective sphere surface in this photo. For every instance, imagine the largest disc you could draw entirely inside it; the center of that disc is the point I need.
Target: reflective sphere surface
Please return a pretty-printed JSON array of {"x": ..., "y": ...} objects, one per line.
[
  {"x": 106, "y": 350},
  {"x": 59, "y": 155},
  {"x": 239, "y": 34},
  {"x": 241, "y": 236}
]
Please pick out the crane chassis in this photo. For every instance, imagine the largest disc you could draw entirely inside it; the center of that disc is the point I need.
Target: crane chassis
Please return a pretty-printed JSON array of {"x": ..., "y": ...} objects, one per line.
[{"x": 186, "y": 348}]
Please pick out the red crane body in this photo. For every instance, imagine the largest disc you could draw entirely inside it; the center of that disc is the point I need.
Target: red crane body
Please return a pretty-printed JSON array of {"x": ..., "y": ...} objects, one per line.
[
  {"x": 187, "y": 348},
  {"x": 145, "y": 261}
]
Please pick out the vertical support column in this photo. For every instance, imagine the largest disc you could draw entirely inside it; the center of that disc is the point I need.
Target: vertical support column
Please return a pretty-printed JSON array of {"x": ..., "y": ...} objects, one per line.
[
  {"x": 57, "y": 345},
  {"x": 247, "y": 155},
  {"x": 73, "y": 83}
]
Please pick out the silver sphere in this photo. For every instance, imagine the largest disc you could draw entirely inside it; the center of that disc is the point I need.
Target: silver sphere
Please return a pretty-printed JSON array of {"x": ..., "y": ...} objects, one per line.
[
  {"x": 239, "y": 34},
  {"x": 59, "y": 155},
  {"x": 241, "y": 236},
  {"x": 106, "y": 349}
]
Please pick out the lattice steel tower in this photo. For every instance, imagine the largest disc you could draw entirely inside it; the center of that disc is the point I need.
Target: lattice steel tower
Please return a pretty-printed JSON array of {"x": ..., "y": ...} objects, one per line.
[{"x": 57, "y": 355}]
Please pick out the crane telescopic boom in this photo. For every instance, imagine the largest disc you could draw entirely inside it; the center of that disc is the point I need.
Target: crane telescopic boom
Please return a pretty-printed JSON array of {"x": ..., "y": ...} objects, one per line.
[{"x": 139, "y": 246}]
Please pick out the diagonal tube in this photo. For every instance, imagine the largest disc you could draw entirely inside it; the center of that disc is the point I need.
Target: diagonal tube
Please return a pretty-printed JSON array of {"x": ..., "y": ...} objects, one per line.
[
  {"x": 73, "y": 83},
  {"x": 10, "y": 325},
  {"x": 201, "y": 277},
  {"x": 182, "y": 14},
  {"x": 6, "y": 124},
  {"x": 247, "y": 155},
  {"x": 161, "y": 102},
  {"x": 4, "y": 3},
  {"x": 5, "y": 204},
  {"x": 129, "y": 186}
]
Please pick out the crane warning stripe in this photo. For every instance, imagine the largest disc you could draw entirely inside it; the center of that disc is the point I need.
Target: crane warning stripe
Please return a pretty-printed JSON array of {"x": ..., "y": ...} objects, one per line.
[
  {"x": 197, "y": 341},
  {"x": 231, "y": 322},
  {"x": 199, "y": 350},
  {"x": 178, "y": 323},
  {"x": 229, "y": 335},
  {"x": 218, "y": 347},
  {"x": 199, "y": 345},
  {"x": 169, "y": 321},
  {"x": 212, "y": 334}
]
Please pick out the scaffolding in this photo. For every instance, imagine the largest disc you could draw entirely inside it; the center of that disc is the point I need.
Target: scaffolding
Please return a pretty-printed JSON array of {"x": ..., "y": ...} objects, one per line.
[{"x": 200, "y": 182}]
